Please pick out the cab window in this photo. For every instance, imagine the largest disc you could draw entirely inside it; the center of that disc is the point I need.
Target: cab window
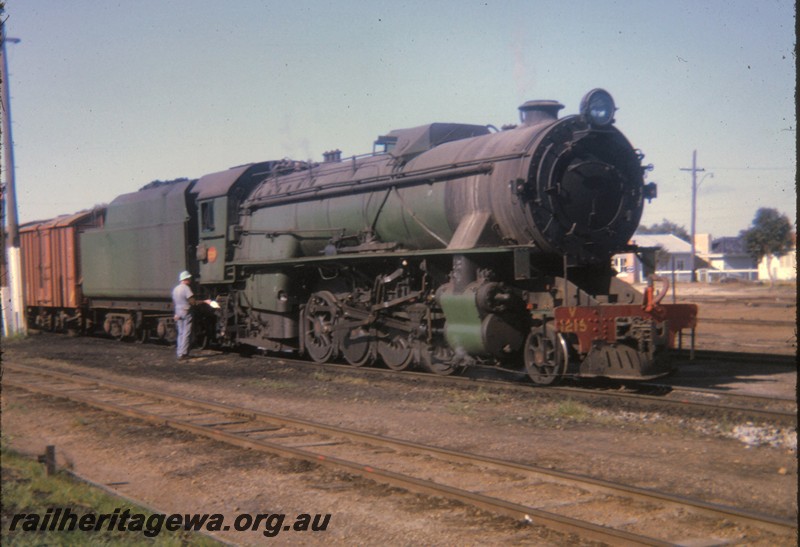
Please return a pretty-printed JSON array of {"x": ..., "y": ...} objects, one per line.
[{"x": 207, "y": 216}]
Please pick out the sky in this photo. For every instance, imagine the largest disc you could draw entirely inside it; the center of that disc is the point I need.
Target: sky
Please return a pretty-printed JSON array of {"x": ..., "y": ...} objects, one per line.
[{"x": 107, "y": 96}]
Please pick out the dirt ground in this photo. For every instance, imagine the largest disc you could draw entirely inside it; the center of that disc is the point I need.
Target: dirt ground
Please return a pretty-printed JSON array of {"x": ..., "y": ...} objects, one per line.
[{"x": 175, "y": 472}]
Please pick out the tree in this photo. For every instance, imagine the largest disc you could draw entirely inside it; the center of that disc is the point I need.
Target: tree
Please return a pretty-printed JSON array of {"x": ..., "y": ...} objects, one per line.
[
  {"x": 769, "y": 235},
  {"x": 665, "y": 227}
]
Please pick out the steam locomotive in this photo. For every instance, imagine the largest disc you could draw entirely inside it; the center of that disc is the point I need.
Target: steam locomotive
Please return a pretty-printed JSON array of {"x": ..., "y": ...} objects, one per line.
[{"x": 449, "y": 245}]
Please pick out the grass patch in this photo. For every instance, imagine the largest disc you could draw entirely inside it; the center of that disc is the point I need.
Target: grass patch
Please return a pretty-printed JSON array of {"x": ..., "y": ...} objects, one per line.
[
  {"x": 333, "y": 378},
  {"x": 270, "y": 383},
  {"x": 351, "y": 380},
  {"x": 460, "y": 409},
  {"x": 571, "y": 410},
  {"x": 560, "y": 412},
  {"x": 471, "y": 396},
  {"x": 322, "y": 376},
  {"x": 467, "y": 402},
  {"x": 27, "y": 489}
]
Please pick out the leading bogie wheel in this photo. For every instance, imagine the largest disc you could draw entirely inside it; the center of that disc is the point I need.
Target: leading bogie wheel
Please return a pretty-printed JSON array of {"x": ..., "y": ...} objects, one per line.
[
  {"x": 438, "y": 359},
  {"x": 544, "y": 358}
]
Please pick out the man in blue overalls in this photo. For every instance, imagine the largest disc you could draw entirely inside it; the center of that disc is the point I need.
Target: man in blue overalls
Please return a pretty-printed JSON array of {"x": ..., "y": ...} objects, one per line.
[{"x": 183, "y": 300}]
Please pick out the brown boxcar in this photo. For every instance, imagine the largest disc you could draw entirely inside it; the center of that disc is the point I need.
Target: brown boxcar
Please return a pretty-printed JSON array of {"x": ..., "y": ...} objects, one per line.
[{"x": 51, "y": 268}]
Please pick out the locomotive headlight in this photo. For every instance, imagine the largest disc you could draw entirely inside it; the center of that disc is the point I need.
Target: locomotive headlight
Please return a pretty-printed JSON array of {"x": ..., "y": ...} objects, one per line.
[{"x": 597, "y": 107}]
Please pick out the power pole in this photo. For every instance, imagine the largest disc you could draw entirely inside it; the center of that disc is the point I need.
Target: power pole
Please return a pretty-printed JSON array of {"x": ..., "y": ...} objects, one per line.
[
  {"x": 12, "y": 293},
  {"x": 694, "y": 169}
]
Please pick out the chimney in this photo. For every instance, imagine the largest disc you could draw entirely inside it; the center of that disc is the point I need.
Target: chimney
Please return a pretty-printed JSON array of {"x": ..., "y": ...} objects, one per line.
[
  {"x": 534, "y": 112},
  {"x": 702, "y": 243}
]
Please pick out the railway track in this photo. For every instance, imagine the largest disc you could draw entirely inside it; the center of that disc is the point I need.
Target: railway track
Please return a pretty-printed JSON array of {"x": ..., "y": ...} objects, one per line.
[
  {"x": 747, "y": 322},
  {"x": 704, "y": 401},
  {"x": 592, "y": 508},
  {"x": 650, "y": 395},
  {"x": 757, "y": 359},
  {"x": 763, "y": 302}
]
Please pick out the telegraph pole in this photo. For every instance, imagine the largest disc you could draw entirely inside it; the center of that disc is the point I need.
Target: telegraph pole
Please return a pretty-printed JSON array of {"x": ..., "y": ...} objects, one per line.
[
  {"x": 694, "y": 169},
  {"x": 13, "y": 302}
]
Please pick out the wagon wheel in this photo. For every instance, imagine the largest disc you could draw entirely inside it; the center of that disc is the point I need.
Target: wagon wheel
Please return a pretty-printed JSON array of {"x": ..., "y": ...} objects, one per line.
[
  {"x": 171, "y": 333},
  {"x": 396, "y": 350},
  {"x": 356, "y": 346},
  {"x": 75, "y": 327},
  {"x": 438, "y": 358},
  {"x": 545, "y": 357},
  {"x": 60, "y": 321},
  {"x": 319, "y": 318},
  {"x": 114, "y": 329}
]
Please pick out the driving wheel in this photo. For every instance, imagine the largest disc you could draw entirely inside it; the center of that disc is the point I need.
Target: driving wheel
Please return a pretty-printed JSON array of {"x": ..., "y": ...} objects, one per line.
[
  {"x": 396, "y": 350},
  {"x": 319, "y": 318}
]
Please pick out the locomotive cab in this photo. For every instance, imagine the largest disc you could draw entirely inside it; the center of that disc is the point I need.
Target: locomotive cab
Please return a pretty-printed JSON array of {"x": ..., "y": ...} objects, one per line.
[{"x": 218, "y": 197}]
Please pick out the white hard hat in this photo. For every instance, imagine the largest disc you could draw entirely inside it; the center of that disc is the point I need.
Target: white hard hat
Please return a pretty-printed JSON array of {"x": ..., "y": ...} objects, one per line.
[{"x": 184, "y": 275}]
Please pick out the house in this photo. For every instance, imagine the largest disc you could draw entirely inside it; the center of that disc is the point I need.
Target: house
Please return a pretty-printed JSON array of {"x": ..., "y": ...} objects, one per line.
[
  {"x": 669, "y": 254},
  {"x": 783, "y": 268},
  {"x": 715, "y": 259},
  {"x": 726, "y": 258}
]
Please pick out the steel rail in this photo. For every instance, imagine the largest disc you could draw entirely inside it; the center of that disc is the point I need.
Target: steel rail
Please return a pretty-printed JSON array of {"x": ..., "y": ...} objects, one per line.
[
  {"x": 779, "y": 416},
  {"x": 747, "y": 322},
  {"x": 758, "y": 359},
  {"x": 668, "y": 400},
  {"x": 786, "y": 417},
  {"x": 517, "y": 511},
  {"x": 767, "y": 522},
  {"x": 716, "y": 392}
]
